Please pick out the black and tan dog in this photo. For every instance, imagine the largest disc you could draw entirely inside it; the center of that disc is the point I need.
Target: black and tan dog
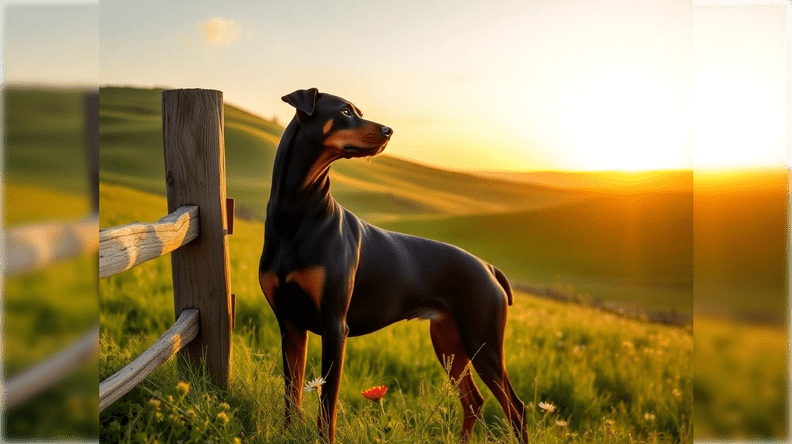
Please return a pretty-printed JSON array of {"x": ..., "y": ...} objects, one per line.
[{"x": 326, "y": 271}]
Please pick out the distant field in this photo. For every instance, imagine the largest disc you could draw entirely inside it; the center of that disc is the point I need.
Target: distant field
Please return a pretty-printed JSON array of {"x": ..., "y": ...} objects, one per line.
[
  {"x": 625, "y": 249},
  {"x": 608, "y": 181},
  {"x": 44, "y": 142}
]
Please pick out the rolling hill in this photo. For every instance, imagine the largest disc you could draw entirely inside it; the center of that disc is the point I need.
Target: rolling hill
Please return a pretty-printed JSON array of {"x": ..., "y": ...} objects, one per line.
[
  {"x": 626, "y": 237},
  {"x": 598, "y": 241}
]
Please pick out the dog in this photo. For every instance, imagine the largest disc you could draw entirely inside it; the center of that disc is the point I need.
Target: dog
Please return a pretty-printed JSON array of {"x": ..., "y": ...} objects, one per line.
[{"x": 326, "y": 271}]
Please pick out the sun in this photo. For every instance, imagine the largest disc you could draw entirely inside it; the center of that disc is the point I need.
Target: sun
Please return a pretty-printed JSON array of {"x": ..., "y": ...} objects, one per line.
[{"x": 625, "y": 121}]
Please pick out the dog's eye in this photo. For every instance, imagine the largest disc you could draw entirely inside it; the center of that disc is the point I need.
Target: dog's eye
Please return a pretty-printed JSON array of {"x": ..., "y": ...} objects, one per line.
[{"x": 347, "y": 112}]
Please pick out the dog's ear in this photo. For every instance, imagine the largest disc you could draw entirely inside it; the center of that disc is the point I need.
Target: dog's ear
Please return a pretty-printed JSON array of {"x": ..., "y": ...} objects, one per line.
[{"x": 304, "y": 100}]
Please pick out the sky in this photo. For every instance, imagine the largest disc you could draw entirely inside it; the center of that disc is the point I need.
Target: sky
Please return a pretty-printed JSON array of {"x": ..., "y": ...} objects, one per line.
[{"x": 484, "y": 85}]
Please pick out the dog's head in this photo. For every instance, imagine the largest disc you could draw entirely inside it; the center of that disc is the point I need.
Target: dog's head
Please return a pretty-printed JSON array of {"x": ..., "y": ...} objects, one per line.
[{"x": 337, "y": 125}]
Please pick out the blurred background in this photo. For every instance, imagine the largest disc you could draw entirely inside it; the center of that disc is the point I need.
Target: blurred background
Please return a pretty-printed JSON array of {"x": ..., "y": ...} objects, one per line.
[{"x": 50, "y": 305}]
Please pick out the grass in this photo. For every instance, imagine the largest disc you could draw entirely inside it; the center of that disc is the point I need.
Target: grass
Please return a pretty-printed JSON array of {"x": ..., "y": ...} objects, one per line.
[
  {"x": 612, "y": 379},
  {"x": 741, "y": 384}
]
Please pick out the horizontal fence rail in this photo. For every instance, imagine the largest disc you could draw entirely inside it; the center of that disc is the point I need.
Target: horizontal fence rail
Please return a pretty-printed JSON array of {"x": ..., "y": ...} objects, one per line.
[
  {"x": 121, "y": 248},
  {"x": 180, "y": 334},
  {"x": 35, "y": 380},
  {"x": 35, "y": 246},
  {"x": 32, "y": 248}
]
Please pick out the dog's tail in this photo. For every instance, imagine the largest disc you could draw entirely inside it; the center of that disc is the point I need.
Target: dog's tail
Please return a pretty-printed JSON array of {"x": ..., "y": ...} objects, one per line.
[{"x": 504, "y": 283}]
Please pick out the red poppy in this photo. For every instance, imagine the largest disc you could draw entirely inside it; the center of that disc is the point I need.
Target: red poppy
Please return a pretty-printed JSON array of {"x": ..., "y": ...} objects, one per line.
[{"x": 374, "y": 394}]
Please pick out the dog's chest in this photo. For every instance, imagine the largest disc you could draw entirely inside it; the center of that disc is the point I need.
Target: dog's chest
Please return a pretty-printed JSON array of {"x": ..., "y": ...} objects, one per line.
[{"x": 308, "y": 282}]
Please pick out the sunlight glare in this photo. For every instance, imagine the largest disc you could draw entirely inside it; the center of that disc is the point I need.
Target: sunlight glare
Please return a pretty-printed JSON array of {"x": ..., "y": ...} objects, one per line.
[{"x": 625, "y": 121}]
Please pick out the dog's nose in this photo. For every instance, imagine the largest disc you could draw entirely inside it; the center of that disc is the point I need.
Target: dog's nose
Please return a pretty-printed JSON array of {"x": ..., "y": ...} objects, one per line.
[{"x": 387, "y": 131}]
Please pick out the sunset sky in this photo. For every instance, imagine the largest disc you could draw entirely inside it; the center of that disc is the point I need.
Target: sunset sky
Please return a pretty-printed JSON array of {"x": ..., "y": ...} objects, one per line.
[{"x": 510, "y": 85}]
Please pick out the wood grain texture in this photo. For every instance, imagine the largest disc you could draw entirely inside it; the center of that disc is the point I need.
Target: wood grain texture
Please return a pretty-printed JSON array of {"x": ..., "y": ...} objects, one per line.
[
  {"x": 193, "y": 138},
  {"x": 121, "y": 248},
  {"x": 183, "y": 331},
  {"x": 44, "y": 375},
  {"x": 35, "y": 246}
]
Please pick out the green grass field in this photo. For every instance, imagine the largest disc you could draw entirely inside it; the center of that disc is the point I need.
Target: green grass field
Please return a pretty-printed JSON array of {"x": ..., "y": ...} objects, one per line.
[{"x": 611, "y": 379}]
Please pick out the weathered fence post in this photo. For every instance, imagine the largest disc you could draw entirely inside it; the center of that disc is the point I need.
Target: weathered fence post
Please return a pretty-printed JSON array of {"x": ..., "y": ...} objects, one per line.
[{"x": 193, "y": 139}]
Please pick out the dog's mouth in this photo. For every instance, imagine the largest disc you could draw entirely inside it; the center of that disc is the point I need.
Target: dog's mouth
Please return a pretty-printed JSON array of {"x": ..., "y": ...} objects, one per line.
[{"x": 356, "y": 151}]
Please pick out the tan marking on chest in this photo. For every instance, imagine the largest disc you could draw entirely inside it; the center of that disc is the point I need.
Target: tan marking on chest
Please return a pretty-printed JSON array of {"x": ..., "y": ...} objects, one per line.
[
  {"x": 311, "y": 280},
  {"x": 327, "y": 126},
  {"x": 269, "y": 282}
]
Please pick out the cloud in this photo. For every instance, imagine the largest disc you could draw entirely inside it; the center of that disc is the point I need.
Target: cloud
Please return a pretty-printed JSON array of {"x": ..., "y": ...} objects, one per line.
[{"x": 218, "y": 31}]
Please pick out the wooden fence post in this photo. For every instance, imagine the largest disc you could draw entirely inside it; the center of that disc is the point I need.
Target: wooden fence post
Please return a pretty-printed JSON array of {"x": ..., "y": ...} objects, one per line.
[{"x": 193, "y": 139}]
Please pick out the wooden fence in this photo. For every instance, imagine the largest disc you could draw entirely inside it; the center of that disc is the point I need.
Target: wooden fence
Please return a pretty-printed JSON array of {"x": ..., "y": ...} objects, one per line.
[{"x": 195, "y": 232}]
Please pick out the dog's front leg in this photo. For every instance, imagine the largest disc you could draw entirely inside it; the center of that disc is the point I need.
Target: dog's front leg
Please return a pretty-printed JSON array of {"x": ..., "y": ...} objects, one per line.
[
  {"x": 334, "y": 335},
  {"x": 294, "y": 342}
]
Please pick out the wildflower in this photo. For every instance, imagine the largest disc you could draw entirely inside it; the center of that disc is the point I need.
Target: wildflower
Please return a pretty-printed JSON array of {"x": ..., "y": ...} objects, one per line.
[
  {"x": 154, "y": 403},
  {"x": 547, "y": 407},
  {"x": 374, "y": 394},
  {"x": 175, "y": 420},
  {"x": 223, "y": 418},
  {"x": 561, "y": 423},
  {"x": 649, "y": 416},
  {"x": 316, "y": 384},
  {"x": 182, "y": 387},
  {"x": 224, "y": 406},
  {"x": 676, "y": 393}
]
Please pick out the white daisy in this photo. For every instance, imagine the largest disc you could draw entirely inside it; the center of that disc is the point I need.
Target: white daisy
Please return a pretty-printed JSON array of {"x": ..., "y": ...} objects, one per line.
[{"x": 316, "y": 384}]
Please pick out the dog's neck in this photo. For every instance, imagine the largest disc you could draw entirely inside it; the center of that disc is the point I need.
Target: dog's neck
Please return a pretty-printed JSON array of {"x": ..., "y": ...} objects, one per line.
[{"x": 300, "y": 184}]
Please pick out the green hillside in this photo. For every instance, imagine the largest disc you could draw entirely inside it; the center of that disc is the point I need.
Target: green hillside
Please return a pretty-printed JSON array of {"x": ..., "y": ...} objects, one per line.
[
  {"x": 376, "y": 189},
  {"x": 602, "y": 242},
  {"x": 631, "y": 250},
  {"x": 43, "y": 138}
]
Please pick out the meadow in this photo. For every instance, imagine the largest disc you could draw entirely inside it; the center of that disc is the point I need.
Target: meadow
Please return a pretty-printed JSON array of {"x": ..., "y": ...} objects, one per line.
[
  {"x": 611, "y": 379},
  {"x": 626, "y": 238}
]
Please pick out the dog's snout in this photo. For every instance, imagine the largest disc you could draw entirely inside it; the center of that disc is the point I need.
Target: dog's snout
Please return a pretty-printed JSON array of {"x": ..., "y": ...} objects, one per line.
[{"x": 387, "y": 131}]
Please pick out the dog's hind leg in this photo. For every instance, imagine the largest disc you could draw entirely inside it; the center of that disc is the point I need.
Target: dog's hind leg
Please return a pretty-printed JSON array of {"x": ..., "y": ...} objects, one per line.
[
  {"x": 294, "y": 342},
  {"x": 490, "y": 366},
  {"x": 448, "y": 347}
]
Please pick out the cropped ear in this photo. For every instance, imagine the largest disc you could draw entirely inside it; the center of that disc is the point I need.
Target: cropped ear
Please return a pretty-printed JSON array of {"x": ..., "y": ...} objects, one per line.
[{"x": 302, "y": 99}]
